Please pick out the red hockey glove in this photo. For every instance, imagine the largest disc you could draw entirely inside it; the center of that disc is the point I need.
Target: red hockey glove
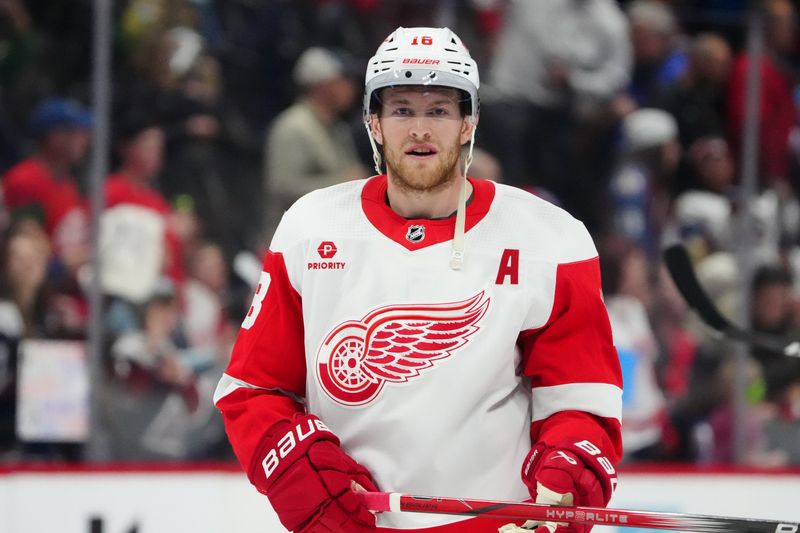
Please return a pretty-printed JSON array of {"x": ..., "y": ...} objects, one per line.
[
  {"x": 308, "y": 479},
  {"x": 575, "y": 472}
]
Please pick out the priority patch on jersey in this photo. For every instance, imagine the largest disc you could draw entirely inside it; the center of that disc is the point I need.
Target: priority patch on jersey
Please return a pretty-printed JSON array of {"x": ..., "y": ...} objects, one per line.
[{"x": 393, "y": 344}]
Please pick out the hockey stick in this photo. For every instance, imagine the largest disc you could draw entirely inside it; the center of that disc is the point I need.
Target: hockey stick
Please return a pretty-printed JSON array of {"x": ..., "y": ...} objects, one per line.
[
  {"x": 680, "y": 268},
  {"x": 404, "y": 503}
]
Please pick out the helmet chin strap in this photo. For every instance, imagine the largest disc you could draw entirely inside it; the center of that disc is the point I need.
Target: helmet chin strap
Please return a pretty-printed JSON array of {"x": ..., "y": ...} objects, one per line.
[
  {"x": 457, "y": 255},
  {"x": 376, "y": 155}
]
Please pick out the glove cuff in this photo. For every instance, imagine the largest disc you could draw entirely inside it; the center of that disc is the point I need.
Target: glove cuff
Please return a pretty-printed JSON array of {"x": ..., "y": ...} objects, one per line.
[
  {"x": 590, "y": 455},
  {"x": 284, "y": 443}
]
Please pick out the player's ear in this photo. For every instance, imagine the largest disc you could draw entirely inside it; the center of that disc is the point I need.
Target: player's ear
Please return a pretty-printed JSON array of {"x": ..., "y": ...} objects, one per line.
[
  {"x": 467, "y": 127},
  {"x": 375, "y": 126}
]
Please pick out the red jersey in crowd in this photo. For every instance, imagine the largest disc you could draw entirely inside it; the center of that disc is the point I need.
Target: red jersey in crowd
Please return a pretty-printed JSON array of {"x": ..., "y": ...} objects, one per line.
[
  {"x": 31, "y": 185},
  {"x": 777, "y": 114},
  {"x": 121, "y": 190}
]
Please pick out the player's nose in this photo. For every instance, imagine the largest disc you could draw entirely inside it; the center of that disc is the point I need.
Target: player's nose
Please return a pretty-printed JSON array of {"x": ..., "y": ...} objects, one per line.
[{"x": 420, "y": 128}]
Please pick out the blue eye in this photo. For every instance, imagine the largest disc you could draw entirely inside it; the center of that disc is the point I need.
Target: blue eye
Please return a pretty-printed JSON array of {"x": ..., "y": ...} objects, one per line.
[{"x": 402, "y": 112}]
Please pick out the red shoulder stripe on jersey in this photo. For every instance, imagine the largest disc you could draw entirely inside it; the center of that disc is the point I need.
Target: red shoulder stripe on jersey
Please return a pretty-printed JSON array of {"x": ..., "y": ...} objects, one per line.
[{"x": 385, "y": 220}]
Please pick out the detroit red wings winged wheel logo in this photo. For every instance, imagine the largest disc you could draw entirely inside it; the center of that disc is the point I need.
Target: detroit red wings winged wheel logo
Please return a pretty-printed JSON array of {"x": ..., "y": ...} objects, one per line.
[{"x": 393, "y": 344}]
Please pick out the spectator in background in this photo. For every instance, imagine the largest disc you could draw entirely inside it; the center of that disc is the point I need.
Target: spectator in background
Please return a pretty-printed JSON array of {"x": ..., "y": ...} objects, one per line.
[
  {"x": 777, "y": 111},
  {"x": 556, "y": 54},
  {"x": 640, "y": 184},
  {"x": 756, "y": 450},
  {"x": 138, "y": 245},
  {"x": 154, "y": 401},
  {"x": 140, "y": 149},
  {"x": 211, "y": 321},
  {"x": 309, "y": 145},
  {"x": 556, "y": 72},
  {"x": 703, "y": 417},
  {"x": 770, "y": 376},
  {"x": 702, "y": 215},
  {"x": 772, "y": 312},
  {"x": 43, "y": 187},
  {"x": 677, "y": 332},
  {"x": 24, "y": 279},
  {"x": 152, "y": 391},
  {"x": 23, "y": 271},
  {"x": 206, "y": 294},
  {"x": 628, "y": 293},
  {"x": 658, "y": 59},
  {"x": 697, "y": 98},
  {"x": 30, "y": 307}
]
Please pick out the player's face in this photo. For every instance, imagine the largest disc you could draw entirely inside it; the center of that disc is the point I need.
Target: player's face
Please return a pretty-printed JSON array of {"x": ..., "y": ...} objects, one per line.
[{"x": 422, "y": 131}]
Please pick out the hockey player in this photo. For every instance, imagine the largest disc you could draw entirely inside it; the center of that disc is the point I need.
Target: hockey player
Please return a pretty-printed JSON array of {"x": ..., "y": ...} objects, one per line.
[{"x": 422, "y": 332}]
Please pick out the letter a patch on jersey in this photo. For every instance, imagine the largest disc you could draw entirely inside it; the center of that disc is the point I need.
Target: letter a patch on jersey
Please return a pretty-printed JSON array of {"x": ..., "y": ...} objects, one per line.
[
  {"x": 509, "y": 267},
  {"x": 393, "y": 344}
]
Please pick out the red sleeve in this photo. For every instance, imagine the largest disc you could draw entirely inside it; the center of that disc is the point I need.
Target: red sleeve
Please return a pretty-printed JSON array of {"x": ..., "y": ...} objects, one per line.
[
  {"x": 267, "y": 372},
  {"x": 573, "y": 366}
]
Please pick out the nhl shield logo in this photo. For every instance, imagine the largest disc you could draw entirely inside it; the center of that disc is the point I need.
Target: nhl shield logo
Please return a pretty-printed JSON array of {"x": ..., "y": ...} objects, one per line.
[{"x": 415, "y": 233}]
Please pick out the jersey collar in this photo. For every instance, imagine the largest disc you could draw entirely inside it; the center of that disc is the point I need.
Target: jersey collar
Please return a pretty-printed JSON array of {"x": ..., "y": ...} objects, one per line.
[{"x": 436, "y": 231}]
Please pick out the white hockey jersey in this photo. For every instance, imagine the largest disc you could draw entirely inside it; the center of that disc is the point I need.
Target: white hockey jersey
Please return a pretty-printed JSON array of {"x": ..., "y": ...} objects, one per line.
[{"x": 435, "y": 380}]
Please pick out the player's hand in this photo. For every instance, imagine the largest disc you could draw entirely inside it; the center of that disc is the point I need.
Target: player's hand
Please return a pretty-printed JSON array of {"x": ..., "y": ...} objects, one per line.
[
  {"x": 569, "y": 474},
  {"x": 310, "y": 480}
]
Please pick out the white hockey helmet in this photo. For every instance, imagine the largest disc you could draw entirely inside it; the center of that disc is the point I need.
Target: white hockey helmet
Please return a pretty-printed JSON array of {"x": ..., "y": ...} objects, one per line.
[{"x": 422, "y": 56}]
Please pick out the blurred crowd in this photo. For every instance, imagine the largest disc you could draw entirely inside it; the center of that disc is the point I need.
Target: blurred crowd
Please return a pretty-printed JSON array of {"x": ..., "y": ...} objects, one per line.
[{"x": 629, "y": 114}]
